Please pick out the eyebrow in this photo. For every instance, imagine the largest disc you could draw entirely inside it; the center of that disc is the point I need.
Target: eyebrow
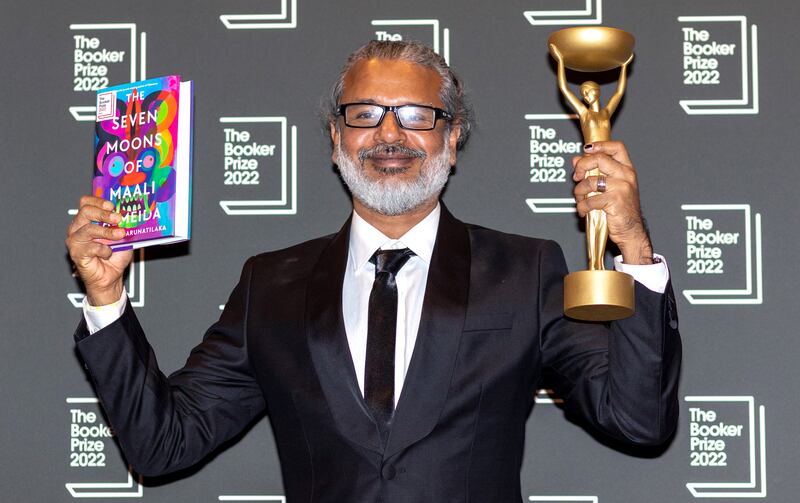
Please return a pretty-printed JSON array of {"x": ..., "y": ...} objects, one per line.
[{"x": 370, "y": 101}]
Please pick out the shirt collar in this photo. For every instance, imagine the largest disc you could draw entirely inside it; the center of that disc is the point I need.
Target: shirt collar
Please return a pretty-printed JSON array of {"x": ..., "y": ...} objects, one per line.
[{"x": 365, "y": 239}]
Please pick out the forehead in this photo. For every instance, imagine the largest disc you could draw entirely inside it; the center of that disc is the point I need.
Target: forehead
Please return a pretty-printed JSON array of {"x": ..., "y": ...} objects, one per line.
[{"x": 392, "y": 82}]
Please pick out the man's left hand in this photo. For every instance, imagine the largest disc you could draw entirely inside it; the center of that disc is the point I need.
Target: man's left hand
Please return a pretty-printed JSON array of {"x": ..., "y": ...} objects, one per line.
[{"x": 620, "y": 200}]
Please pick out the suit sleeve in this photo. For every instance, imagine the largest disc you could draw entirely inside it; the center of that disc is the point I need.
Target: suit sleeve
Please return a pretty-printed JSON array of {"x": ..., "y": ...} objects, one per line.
[
  {"x": 621, "y": 377},
  {"x": 164, "y": 423}
]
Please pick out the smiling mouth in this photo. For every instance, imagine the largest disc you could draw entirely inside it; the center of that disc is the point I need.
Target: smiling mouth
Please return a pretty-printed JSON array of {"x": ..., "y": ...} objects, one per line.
[
  {"x": 391, "y": 164},
  {"x": 390, "y": 159},
  {"x": 390, "y": 170}
]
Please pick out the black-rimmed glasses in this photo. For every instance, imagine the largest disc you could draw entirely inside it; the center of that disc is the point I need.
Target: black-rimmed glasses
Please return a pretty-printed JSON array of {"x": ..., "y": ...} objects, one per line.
[{"x": 415, "y": 117}]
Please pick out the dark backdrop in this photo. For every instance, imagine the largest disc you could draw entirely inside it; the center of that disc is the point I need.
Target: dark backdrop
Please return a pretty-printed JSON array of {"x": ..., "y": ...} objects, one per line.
[{"x": 713, "y": 139}]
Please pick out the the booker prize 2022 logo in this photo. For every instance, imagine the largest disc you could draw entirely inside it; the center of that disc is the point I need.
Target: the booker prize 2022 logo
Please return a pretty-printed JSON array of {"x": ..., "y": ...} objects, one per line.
[
  {"x": 274, "y": 15},
  {"x": 96, "y": 467},
  {"x": 547, "y": 396},
  {"x": 727, "y": 447},
  {"x": 429, "y": 31},
  {"x": 103, "y": 54},
  {"x": 572, "y": 12},
  {"x": 259, "y": 166},
  {"x": 719, "y": 68},
  {"x": 552, "y": 137},
  {"x": 551, "y": 147},
  {"x": 252, "y": 498},
  {"x": 723, "y": 254}
]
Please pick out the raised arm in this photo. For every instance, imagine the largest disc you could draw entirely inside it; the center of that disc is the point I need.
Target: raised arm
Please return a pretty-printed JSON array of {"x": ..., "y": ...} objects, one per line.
[
  {"x": 167, "y": 423},
  {"x": 621, "y": 378},
  {"x": 611, "y": 106},
  {"x": 573, "y": 100}
]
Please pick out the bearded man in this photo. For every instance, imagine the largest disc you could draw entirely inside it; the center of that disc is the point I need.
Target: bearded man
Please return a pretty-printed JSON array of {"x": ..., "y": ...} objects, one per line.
[{"x": 398, "y": 357}]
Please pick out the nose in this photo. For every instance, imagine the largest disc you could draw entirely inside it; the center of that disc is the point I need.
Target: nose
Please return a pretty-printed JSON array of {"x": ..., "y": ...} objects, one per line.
[{"x": 389, "y": 131}]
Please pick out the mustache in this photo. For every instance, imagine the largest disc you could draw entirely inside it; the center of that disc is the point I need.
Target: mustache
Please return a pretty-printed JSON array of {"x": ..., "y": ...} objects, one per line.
[{"x": 389, "y": 149}]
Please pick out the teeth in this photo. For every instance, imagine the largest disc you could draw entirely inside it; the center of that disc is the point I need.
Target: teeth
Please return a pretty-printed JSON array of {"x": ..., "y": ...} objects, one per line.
[{"x": 132, "y": 203}]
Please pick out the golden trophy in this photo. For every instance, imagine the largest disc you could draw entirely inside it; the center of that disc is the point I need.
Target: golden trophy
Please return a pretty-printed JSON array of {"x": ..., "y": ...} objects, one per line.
[{"x": 595, "y": 294}]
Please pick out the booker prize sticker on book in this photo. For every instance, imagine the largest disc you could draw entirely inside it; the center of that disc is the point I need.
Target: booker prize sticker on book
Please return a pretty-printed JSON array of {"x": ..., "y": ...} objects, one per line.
[{"x": 143, "y": 159}]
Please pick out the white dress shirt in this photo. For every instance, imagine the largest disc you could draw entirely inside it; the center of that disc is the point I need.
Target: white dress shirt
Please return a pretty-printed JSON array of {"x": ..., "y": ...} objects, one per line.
[{"x": 411, "y": 279}]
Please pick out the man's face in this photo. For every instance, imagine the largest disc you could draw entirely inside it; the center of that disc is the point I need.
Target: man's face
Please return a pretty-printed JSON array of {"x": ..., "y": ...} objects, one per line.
[{"x": 370, "y": 152}]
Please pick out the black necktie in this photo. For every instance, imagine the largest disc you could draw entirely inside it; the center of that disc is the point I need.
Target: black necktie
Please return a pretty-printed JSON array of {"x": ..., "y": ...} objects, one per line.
[{"x": 381, "y": 334}]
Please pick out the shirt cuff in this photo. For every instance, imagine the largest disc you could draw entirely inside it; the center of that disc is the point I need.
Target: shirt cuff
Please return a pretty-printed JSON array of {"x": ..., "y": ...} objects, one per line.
[
  {"x": 653, "y": 276},
  {"x": 99, "y": 317}
]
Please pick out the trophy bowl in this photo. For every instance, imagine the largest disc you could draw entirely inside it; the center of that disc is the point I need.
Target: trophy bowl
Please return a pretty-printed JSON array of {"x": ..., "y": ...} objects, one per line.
[{"x": 593, "y": 48}]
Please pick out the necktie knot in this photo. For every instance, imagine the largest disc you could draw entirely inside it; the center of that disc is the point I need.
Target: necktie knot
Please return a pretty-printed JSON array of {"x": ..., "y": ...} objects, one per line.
[{"x": 390, "y": 261}]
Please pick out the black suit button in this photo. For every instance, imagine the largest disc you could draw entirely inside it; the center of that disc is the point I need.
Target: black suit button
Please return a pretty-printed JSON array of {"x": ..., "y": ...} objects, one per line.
[{"x": 389, "y": 472}]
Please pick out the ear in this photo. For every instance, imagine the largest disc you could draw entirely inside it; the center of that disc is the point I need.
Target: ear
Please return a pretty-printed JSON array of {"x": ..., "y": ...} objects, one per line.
[
  {"x": 452, "y": 143},
  {"x": 334, "y": 138}
]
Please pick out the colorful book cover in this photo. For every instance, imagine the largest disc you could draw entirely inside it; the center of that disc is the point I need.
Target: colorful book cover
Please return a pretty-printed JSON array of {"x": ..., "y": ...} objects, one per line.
[{"x": 142, "y": 159}]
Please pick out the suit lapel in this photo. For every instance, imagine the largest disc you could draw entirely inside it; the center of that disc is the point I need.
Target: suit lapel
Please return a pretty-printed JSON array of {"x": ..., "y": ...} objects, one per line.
[
  {"x": 329, "y": 349},
  {"x": 428, "y": 379}
]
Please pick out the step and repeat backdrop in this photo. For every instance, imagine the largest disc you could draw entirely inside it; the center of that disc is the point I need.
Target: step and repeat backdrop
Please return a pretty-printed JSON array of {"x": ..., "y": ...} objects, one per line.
[{"x": 709, "y": 117}]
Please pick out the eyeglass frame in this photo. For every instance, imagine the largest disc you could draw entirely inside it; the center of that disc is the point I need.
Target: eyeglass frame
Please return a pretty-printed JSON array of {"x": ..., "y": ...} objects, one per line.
[{"x": 438, "y": 114}]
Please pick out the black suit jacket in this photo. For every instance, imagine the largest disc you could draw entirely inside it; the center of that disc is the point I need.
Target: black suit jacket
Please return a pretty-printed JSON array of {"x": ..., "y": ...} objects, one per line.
[{"x": 491, "y": 325}]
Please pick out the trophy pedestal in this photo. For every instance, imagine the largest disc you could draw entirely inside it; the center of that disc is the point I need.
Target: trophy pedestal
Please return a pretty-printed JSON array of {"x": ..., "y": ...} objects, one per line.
[{"x": 598, "y": 295}]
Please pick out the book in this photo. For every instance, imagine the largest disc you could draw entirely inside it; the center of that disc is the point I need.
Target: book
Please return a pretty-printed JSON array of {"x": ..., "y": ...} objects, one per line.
[{"x": 143, "y": 159}]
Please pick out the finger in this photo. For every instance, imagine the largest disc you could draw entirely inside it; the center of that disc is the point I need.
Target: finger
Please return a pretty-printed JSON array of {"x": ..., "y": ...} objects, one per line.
[
  {"x": 89, "y": 213},
  {"x": 89, "y": 204},
  {"x": 82, "y": 243},
  {"x": 95, "y": 249},
  {"x": 588, "y": 186},
  {"x": 89, "y": 232},
  {"x": 95, "y": 201},
  {"x": 598, "y": 202},
  {"x": 83, "y": 252},
  {"x": 604, "y": 163},
  {"x": 615, "y": 149},
  {"x": 101, "y": 250}
]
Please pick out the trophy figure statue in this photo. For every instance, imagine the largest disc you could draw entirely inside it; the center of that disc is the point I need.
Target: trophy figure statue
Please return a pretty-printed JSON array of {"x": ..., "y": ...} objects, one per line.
[{"x": 596, "y": 294}]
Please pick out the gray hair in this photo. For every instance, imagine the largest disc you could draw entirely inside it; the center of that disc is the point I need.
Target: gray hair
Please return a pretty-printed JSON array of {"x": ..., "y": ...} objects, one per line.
[{"x": 452, "y": 91}]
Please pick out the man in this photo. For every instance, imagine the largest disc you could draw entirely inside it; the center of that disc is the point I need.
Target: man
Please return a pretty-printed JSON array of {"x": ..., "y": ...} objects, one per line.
[{"x": 436, "y": 411}]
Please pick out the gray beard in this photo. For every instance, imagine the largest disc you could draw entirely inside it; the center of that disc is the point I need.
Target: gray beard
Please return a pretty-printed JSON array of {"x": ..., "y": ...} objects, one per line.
[{"x": 388, "y": 195}]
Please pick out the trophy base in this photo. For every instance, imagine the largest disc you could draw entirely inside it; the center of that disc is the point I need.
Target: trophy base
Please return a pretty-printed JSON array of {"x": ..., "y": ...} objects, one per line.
[{"x": 598, "y": 295}]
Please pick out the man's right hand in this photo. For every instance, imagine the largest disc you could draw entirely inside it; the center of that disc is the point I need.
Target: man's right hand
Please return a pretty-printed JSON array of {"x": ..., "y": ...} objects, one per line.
[{"x": 99, "y": 268}]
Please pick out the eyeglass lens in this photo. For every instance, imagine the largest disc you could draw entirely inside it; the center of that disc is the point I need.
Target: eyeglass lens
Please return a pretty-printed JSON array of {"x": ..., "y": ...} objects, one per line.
[{"x": 409, "y": 116}]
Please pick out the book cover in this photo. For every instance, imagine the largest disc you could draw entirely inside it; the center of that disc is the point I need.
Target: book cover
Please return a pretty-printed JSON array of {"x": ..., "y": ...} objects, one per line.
[{"x": 142, "y": 160}]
